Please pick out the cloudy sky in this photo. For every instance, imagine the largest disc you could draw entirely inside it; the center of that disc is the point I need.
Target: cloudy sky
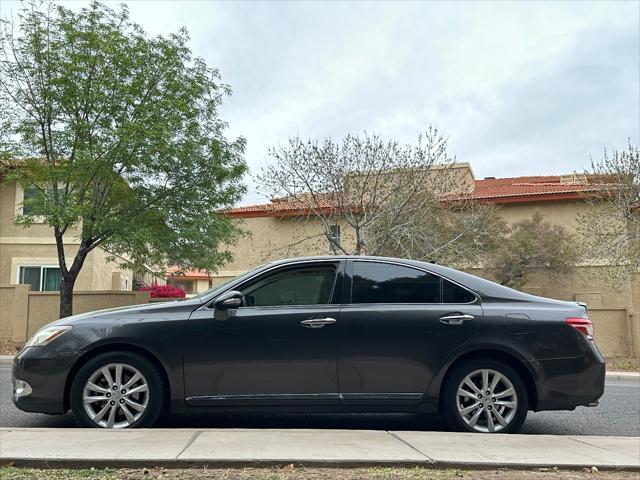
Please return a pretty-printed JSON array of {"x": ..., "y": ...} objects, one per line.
[{"x": 519, "y": 88}]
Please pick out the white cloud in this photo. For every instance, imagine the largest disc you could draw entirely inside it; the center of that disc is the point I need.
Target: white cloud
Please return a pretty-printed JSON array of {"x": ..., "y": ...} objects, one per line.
[{"x": 519, "y": 87}]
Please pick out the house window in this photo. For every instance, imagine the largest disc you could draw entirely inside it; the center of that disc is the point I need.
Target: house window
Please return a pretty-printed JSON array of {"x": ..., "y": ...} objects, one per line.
[
  {"x": 41, "y": 278},
  {"x": 334, "y": 236},
  {"x": 28, "y": 194}
]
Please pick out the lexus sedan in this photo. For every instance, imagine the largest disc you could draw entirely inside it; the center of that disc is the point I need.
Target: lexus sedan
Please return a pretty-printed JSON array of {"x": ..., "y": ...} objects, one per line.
[{"x": 321, "y": 334}]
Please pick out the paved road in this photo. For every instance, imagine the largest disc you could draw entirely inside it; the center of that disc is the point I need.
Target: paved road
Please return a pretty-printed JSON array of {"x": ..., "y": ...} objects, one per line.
[{"x": 617, "y": 414}]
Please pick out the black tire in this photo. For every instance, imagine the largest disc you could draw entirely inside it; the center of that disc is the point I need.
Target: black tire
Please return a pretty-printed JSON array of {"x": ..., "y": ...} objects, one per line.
[
  {"x": 139, "y": 362},
  {"x": 450, "y": 397}
]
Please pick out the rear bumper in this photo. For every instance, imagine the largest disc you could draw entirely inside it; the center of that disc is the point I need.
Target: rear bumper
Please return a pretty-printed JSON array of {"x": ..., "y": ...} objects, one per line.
[
  {"x": 571, "y": 382},
  {"x": 45, "y": 371}
]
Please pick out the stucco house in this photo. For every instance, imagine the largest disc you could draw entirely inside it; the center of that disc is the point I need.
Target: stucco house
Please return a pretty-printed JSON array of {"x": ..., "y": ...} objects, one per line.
[
  {"x": 28, "y": 255},
  {"x": 284, "y": 228}
]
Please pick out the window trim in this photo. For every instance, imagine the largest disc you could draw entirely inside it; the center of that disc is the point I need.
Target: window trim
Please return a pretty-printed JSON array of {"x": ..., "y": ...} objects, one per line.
[
  {"x": 42, "y": 267},
  {"x": 349, "y": 289}
]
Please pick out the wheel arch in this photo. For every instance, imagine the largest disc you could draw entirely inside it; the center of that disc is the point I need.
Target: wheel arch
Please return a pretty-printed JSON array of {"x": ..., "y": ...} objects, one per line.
[
  {"x": 509, "y": 358},
  {"x": 118, "y": 347}
]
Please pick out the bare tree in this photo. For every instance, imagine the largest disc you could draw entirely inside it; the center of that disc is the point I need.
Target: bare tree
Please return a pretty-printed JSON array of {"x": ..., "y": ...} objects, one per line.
[
  {"x": 394, "y": 198},
  {"x": 611, "y": 227},
  {"x": 459, "y": 232}
]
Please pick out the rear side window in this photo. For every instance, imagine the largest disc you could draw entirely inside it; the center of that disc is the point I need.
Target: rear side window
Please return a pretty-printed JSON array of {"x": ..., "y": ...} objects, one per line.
[
  {"x": 452, "y": 293},
  {"x": 386, "y": 283}
]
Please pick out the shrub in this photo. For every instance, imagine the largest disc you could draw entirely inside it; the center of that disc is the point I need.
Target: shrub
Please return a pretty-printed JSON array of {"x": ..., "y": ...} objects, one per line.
[{"x": 163, "y": 291}]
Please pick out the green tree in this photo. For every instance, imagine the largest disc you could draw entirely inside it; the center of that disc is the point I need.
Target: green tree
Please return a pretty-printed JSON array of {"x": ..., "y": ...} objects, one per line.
[
  {"x": 119, "y": 134},
  {"x": 533, "y": 243}
]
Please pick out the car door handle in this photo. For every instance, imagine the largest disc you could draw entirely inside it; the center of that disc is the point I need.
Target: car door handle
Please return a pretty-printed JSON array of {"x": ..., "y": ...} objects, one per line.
[
  {"x": 456, "y": 319},
  {"x": 317, "y": 322}
]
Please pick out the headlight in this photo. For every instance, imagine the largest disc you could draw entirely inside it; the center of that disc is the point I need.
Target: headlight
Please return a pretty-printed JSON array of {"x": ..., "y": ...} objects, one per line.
[{"x": 45, "y": 335}]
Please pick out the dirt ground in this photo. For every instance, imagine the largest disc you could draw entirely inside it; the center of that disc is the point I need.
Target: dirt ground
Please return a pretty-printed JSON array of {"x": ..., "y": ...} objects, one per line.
[
  {"x": 9, "y": 348},
  {"x": 300, "y": 473},
  {"x": 626, "y": 364}
]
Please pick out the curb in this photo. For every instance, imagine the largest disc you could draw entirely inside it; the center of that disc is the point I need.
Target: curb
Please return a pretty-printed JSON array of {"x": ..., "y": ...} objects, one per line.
[
  {"x": 626, "y": 377},
  {"x": 6, "y": 359},
  {"x": 235, "y": 463}
]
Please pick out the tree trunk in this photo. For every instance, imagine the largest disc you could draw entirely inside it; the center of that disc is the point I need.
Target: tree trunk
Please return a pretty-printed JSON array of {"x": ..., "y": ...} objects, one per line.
[
  {"x": 69, "y": 275},
  {"x": 66, "y": 295}
]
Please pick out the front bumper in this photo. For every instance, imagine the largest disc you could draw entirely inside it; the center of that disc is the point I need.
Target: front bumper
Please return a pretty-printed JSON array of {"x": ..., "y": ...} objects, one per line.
[{"x": 45, "y": 372}]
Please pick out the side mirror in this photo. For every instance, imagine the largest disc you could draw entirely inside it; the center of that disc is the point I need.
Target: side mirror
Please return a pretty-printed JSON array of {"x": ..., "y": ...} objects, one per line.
[{"x": 227, "y": 301}]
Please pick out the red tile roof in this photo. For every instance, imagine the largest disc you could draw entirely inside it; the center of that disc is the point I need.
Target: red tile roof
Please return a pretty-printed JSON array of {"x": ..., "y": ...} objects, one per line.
[
  {"x": 529, "y": 189},
  {"x": 493, "y": 190},
  {"x": 279, "y": 208}
]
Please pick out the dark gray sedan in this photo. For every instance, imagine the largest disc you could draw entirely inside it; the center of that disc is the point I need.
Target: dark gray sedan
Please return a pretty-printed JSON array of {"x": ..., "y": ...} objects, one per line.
[{"x": 321, "y": 334}]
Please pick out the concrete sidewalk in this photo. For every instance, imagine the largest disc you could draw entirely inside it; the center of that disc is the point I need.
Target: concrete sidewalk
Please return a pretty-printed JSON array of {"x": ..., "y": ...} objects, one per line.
[{"x": 235, "y": 447}]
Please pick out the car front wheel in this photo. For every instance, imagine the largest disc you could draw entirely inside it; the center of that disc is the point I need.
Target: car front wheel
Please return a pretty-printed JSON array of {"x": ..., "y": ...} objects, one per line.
[
  {"x": 485, "y": 396},
  {"x": 116, "y": 390}
]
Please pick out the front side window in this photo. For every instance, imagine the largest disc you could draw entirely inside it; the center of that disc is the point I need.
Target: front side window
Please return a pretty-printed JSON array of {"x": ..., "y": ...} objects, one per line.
[
  {"x": 387, "y": 283},
  {"x": 41, "y": 279},
  {"x": 300, "y": 286}
]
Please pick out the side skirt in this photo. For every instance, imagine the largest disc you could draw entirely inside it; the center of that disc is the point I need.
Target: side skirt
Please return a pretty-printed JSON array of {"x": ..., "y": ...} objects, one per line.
[{"x": 306, "y": 399}]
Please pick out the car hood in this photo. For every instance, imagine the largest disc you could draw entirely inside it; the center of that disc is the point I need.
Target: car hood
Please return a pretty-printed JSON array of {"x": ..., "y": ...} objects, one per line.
[{"x": 91, "y": 317}]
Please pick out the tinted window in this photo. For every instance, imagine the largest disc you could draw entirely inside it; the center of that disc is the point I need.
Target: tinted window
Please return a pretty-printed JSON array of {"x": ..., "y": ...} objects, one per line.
[
  {"x": 452, "y": 293},
  {"x": 386, "y": 283},
  {"x": 308, "y": 286}
]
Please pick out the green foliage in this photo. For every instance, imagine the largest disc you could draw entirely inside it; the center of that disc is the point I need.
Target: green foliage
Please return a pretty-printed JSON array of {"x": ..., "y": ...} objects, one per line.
[
  {"x": 120, "y": 133},
  {"x": 533, "y": 243}
]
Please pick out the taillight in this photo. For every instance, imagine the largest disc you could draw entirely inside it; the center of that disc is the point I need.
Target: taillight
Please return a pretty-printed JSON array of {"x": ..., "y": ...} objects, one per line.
[{"x": 583, "y": 325}]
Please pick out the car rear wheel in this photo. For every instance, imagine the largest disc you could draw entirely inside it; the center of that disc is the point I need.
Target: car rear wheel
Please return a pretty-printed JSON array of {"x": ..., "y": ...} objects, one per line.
[
  {"x": 485, "y": 396},
  {"x": 116, "y": 390}
]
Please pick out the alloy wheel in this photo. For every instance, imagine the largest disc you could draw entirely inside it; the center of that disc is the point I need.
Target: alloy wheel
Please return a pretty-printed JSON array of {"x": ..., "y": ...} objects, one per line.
[
  {"x": 486, "y": 400},
  {"x": 116, "y": 395}
]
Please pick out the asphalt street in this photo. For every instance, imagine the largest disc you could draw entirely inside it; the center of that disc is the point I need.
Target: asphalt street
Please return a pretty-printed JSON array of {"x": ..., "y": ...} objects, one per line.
[{"x": 618, "y": 414}]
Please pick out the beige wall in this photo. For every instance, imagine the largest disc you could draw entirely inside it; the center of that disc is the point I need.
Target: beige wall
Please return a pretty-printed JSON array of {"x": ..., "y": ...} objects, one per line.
[
  {"x": 273, "y": 238},
  {"x": 35, "y": 245},
  {"x": 23, "y": 312},
  {"x": 562, "y": 212},
  {"x": 615, "y": 310}
]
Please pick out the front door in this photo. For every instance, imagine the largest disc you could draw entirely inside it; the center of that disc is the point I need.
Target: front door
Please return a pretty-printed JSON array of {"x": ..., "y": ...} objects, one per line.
[
  {"x": 279, "y": 347},
  {"x": 399, "y": 324}
]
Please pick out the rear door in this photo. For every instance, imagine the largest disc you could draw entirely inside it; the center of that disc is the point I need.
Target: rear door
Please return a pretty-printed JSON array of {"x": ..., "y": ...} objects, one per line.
[{"x": 398, "y": 324}]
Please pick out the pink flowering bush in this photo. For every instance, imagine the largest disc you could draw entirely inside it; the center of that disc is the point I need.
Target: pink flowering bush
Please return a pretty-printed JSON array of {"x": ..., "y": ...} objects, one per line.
[{"x": 163, "y": 291}]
